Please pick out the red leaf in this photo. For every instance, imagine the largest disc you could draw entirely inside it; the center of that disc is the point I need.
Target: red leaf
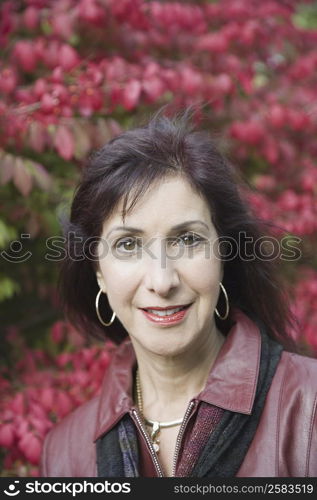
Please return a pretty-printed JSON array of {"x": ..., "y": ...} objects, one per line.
[
  {"x": 64, "y": 142},
  {"x": 21, "y": 426},
  {"x": 68, "y": 57},
  {"x": 213, "y": 42},
  {"x": 31, "y": 17},
  {"x": 6, "y": 435},
  {"x": 58, "y": 332},
  {"x": 63, "y": 404},
  {"x": 131, "y": 94},
  {"x": 25, "y": 54},
  {"x": 30, "y": 447},
  {"x": 8, "y": 80},
  {"x": 40, "y": 425},
  {"x": 62, "y": 24},
  {"x": 47, "y": 398},
  {"x": 153, "y": 87}
]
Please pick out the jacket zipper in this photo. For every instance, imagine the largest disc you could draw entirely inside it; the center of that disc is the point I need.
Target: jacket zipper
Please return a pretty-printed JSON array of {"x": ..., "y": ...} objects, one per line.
[
  {"x": 178, "y": 440},
  {"x": 180, "y": 436},
  {"x": 148, "y": 441}
]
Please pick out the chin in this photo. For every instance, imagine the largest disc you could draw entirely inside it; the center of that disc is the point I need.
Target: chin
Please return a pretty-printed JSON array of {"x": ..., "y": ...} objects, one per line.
[{"x": 164, "y": 348}]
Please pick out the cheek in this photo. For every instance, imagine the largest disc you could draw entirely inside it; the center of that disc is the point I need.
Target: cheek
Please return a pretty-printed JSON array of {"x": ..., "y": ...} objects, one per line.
[
  {"x": 120, "y": 279},
  {"x": 204, "y": 274}
]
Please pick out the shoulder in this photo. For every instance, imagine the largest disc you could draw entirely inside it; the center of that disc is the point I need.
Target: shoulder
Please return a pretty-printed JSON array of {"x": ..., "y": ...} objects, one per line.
[
  {"x": 294, "y": 395},
  {"x": 68, "y": 448},
  {"x": 299, "y": 371},
  {"x": 285, "y": 443},
  {"x": 83, "y": 418},
  {"x": 295, "y": 382}
]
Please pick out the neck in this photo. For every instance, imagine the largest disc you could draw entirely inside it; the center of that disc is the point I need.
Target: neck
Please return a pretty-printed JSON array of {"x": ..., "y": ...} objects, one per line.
[{"x": 168, "y": 383}]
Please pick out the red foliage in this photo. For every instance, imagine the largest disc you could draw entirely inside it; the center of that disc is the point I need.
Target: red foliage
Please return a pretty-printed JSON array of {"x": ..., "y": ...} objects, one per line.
[
  {"x": 42, "y": 389},
  {"x": 74, "y": 72}
]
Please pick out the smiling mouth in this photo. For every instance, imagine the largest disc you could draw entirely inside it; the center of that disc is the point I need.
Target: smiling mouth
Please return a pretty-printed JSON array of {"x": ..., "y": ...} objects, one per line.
[{"x": 168, "y": 311}]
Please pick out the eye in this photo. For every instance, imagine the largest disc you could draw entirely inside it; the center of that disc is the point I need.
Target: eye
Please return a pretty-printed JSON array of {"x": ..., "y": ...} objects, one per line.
[
  {"x": 128, "y": 245},
  {"x": 189, "y": 239}
]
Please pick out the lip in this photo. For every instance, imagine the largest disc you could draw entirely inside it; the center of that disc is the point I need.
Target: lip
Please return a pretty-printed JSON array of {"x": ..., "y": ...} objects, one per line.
[
  {"x": 165, "y": 308},
  {"x": 166, "y": 320}
]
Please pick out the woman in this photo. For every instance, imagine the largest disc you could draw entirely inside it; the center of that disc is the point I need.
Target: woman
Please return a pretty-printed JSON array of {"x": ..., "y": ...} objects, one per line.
[{"x": 199, "y": 384}]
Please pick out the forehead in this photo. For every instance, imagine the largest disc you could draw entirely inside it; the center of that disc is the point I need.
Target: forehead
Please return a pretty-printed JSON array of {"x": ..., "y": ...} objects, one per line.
[{"x": 169, "y": 201}]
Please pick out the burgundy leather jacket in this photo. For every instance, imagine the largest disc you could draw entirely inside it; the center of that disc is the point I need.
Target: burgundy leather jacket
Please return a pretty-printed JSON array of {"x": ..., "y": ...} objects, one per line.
[{"x": 285, "y": 443}]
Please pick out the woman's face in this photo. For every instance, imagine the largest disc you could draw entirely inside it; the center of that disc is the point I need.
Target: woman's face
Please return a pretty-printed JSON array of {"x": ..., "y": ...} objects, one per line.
[{"x": 162, "y": 256}]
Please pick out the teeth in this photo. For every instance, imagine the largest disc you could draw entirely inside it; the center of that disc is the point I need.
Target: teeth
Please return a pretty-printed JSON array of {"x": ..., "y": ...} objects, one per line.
[{"x": 168, "y": 312}]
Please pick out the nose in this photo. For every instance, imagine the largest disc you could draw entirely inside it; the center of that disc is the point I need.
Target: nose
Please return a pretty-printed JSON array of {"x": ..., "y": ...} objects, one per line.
[{"x": 161, "y": 273}]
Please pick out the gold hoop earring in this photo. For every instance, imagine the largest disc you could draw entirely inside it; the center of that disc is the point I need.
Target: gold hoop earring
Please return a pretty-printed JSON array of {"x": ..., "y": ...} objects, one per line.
[
  {"x": 98, "y": 314},
  {"x": 227, "y": 304}
]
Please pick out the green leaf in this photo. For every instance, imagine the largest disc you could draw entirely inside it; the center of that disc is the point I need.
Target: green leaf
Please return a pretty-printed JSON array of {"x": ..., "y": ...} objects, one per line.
[
  {"x": 7, "y": 234},
  {"x": 74, "y": 40},
  {"x": 8, "y": 288},
  {"x": 46, "y": 28},
  {"x": 306, "y": 17}
]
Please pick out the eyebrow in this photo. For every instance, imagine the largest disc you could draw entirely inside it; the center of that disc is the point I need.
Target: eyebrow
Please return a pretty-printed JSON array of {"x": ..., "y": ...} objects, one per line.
[{"x": 182, "y": 225}]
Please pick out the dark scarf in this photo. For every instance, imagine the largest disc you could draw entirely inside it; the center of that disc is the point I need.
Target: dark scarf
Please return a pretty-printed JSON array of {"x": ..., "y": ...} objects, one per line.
[{"x": 224, "y": 452}]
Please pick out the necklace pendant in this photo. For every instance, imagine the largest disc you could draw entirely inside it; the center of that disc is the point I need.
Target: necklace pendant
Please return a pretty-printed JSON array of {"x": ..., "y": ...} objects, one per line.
[
  {"x": 155, "y": 431},
  {"x": 156, "y": 447},
  {"x": 154, "y": 436}
]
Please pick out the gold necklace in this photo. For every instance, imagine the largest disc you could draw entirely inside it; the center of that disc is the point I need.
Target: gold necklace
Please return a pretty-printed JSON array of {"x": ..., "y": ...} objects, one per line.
[{"x": 156, "y": 425}]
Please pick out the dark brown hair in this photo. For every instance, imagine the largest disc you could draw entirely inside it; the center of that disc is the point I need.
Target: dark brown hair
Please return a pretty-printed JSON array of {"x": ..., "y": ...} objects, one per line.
[{"x": 123, "y": 170}]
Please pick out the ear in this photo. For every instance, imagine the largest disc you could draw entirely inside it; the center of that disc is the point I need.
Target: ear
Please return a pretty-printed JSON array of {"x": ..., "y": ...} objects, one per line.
[{"x": 100, "y": 281}]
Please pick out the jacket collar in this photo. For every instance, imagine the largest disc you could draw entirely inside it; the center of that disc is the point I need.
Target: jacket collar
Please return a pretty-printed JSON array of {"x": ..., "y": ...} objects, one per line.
[{"x": 231, "y": 383}]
